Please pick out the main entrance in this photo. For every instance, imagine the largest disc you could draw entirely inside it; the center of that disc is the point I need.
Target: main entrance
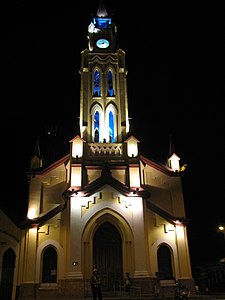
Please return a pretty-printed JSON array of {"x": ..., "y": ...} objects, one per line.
[{"x": 107, "y": 256}]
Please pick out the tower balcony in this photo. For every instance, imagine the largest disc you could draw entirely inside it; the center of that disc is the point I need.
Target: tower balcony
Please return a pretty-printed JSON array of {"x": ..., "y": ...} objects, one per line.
[{"x": 105, "y": 149}]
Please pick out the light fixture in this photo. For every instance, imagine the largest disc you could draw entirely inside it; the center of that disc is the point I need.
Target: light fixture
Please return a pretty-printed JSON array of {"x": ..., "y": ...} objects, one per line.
[
  {"x": 135, "y": 191},
  {"x": 221, "y": 229}
]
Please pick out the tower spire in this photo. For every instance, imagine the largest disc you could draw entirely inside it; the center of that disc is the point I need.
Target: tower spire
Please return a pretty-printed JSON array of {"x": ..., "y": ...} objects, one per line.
[
  {"x": 101, "y": 12},
  {"x": 171, "y": 146},
  {"x": 173, "y": 160},
  {"x": 36, "y": 161}
]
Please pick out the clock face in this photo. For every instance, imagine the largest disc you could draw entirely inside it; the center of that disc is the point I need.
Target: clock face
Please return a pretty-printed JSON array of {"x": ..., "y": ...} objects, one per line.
[{"x": 102, "y": 43}]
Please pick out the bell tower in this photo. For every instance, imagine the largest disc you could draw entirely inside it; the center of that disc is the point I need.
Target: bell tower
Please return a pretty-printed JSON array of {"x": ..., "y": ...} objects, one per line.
[
  {"x": 102, "y": 32},
  {"x": 103, "y": 98}
]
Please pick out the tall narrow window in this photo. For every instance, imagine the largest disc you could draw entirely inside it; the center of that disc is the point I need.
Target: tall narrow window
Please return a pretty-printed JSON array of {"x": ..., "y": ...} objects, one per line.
[
  {"x": 96, "y": 91},
  {"x": 110, "y": 85},
  {"x": 96, "y": 126},
  {"x": 111, "y": 123},
  {"x": 164, "y": 263},
  {"x": 111, "y": 127},
  {"x": 49, "y": 273}
]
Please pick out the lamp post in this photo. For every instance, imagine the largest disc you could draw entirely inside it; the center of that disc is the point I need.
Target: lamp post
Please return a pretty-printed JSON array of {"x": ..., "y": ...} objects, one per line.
[{"x": 222, "y": 229}]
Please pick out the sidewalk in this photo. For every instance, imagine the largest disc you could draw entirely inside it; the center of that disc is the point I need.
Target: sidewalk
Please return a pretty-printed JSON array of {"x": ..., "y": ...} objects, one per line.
[{"x": 195, "y": 297}]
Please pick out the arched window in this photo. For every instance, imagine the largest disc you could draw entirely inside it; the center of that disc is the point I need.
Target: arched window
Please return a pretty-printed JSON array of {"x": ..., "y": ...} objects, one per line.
[
  {"x": 164, "y": 263},
  {"x": 111, "y": 122},
  {"x": 96, "y": 127},
  {"x": 110, "y": 92},
  {"x": 49, "y": 268},
  {"x": 97, "y": 88},
  {"x": 111, "y": 127}
]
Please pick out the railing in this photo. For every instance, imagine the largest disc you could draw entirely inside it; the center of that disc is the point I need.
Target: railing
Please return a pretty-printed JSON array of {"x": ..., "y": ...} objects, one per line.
[{"x": 105, "y": 149}]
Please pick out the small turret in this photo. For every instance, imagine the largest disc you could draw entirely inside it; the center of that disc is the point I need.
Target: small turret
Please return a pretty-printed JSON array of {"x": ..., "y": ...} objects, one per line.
[
  {"x": 173, "y": 160},
  {"x": 36, "y": 161}
]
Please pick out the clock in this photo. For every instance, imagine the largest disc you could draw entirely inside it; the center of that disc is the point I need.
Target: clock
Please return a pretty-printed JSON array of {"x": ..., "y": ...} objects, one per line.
[{"x": 102, "y": 43}]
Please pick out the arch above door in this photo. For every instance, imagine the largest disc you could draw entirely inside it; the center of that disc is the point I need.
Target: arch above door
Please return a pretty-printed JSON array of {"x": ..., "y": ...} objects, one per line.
[{"x": 124, "y": 230}]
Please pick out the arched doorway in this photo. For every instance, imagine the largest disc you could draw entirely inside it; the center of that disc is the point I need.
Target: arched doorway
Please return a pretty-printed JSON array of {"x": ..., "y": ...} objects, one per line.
[
  {"x": 49, "y": 267},
  {"x": 164, "y": 263},
  {"x": 107, "y": 255},
  {"x": 8, "y": 266}
]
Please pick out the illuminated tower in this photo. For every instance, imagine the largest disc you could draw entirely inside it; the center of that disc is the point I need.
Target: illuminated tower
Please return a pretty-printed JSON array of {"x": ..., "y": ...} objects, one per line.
[
  {"x": 103, "y": 99},
  {"x": 104, "y": 120}
]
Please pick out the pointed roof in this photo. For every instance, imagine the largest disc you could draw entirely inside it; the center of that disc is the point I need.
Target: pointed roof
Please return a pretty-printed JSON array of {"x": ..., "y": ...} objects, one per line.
[
  {"x": 36, "y": 160},
  {"x": 176, "y": 220},
  {"x": 131, "y": 137},
  {"x": 77, "y": 137},
  {"x": 37, "y": 151},
  {"x": 56, "y": 164},
  {"x": 102, "y": 11},
  {"x": 171, "y": 147},
  {"x": 107, "y": 179},
  {"x": 158, "y": 166}
]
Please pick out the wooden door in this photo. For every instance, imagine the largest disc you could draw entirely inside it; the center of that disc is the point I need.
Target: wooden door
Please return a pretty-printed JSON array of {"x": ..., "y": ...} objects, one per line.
[{"x": 107, "y": 256}]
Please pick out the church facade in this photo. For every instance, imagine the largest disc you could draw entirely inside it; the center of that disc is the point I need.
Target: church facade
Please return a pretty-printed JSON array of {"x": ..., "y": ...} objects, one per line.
[{"x": 104, "y": 205}]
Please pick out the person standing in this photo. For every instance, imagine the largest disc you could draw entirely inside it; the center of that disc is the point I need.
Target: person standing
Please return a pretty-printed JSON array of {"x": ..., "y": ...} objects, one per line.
[
  {"x": 127, "y": 283},
  {"x": 96, "y": 288}
]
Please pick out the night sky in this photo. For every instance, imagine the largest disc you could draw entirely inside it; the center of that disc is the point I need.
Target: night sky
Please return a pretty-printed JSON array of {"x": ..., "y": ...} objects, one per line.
[{"x": 175, "y": 88}]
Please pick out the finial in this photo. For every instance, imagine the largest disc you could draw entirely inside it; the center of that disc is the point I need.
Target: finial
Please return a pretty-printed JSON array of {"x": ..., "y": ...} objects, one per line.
[{"x": 101, "y": 10}]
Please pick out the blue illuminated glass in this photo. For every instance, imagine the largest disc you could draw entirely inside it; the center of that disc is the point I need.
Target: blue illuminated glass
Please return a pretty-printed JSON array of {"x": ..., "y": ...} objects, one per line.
[
  {"x": 96, "y": 126},
  {"x": 96, "y": 84},
  {"x": 111, "y": 128},
  {"x": 110, "y": 84},
  {"x": 103, "y": 22}
]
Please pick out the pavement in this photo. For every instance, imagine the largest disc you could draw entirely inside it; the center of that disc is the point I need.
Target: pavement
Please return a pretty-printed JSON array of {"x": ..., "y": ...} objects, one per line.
[{"x": 194, "y": 297}]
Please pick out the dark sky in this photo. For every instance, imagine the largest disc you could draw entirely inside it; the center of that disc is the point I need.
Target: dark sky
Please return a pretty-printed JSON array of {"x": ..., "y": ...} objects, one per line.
[{"x": 175, "y": 62}]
